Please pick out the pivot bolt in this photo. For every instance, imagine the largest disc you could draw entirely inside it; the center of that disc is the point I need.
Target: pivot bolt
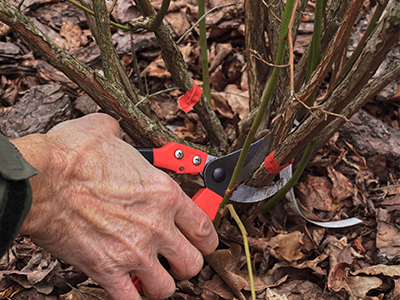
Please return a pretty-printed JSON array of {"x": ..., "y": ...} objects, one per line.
[
  {"x": 196, "y": 160},
  {"x": 179, "y": 154},
  {"x": 219, "y": 175}
]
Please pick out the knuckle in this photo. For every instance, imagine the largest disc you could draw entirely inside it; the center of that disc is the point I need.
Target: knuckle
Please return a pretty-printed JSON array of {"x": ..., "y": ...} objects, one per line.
[{"x": 204, "y": 227}]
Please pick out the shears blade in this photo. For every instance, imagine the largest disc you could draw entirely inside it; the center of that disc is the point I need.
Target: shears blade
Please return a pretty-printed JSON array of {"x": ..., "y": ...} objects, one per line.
[
  {"x": 248, "y": 194},
  {"x": 218, "y": 171}
]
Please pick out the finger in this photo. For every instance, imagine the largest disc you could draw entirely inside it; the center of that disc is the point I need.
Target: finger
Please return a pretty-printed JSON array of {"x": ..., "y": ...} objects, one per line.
[
  {"x": 157, "y": 283},
  {"x": 196, "y": 226},
  {"x": 184, "y": 259},
  {"x": 121, "y": 289}
]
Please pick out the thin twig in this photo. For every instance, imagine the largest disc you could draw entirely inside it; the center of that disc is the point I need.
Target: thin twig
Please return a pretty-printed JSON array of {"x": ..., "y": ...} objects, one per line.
[
  {"x": 136, "y": 66},
  {"x": 84, "y": 8},
  {"x": 305, "y": 105},
  {"x": 20, "y": 4},
  {"x": 147, "y": 97},
  {"x": 199, "y": 20},
  {"x": 203, "y": 50},
  {"x": 319, "y": 107},
  {"x": 258, "y": 56},
  {"x": 271, "y": 11},
  {"x": 291, "y": 55},
  {"x": 113, "y": 6}
]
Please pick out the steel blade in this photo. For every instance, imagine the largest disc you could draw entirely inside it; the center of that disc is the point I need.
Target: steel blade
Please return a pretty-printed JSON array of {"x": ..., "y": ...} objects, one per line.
[
  {"x": 248, "y": 194},
  {"x": 218, "y": 172},
  {"x": 261, "y": 151}
]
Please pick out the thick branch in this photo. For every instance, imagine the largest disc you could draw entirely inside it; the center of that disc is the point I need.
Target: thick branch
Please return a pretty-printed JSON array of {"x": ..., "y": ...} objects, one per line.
[
  {"x": 343, "y": 95},
  {"x": 112, "y": 99},
  {"x": 255, "y": 18},
  {"x": 177, "y": 67}
]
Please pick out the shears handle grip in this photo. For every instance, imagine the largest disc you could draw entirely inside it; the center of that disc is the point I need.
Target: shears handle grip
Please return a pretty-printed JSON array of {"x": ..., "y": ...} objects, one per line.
[{"x": 209, "y": 202}]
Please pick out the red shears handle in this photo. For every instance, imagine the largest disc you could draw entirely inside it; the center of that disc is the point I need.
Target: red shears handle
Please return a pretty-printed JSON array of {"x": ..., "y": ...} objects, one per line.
[{"x": 209, "y": 202}]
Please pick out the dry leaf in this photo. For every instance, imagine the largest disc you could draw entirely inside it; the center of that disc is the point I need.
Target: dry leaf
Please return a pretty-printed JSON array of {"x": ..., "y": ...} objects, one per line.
[
  {"x": 388, "y": 237},
  {"x": 219, "y": 260},
  {"x": 342, "y": 187},
  {"x": 315, "y": 192},
  {"x": 289, "y": 246},
  {"x": 363, "y": 282},
  {"x": 73, "y": 35},
  {"x": 86, "y": 293}
]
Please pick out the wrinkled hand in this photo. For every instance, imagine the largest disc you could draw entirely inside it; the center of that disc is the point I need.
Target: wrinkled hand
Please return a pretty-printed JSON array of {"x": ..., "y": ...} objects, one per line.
[{"x": 99, "y": 205}]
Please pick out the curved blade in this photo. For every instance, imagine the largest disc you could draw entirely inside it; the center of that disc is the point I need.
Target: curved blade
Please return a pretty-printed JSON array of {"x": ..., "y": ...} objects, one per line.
[
  {"x": 218, "y": 172},
  {"x": 261, "y": 151},
  {"x": 248, "y": 194}
]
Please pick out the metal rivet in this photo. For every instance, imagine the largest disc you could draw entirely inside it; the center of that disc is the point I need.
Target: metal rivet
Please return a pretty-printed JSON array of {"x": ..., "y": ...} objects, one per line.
[
  {"x": 219, "y": 174},
  {"x": 179, "y": 154},
  {"x": 197, "y": 160}
]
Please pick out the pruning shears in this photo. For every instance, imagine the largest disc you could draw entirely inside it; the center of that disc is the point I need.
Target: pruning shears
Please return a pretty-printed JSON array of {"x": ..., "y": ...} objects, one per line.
[{"x": 216, "y": 173}]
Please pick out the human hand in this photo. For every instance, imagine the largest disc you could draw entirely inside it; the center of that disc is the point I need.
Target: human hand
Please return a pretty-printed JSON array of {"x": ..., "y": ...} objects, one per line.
[{"x": 100, "y": 206}]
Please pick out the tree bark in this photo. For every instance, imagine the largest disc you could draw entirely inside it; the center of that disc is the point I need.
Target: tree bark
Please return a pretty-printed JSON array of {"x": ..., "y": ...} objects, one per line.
[
  {"x": 177, "y": 67},
  {"x": 110, "y": 97},
  {"x": 342, "y": 97}
]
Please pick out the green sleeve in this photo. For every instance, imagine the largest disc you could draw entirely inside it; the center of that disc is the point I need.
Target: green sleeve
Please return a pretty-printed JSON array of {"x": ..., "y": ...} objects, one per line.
[{"x": 15, "y": 192}]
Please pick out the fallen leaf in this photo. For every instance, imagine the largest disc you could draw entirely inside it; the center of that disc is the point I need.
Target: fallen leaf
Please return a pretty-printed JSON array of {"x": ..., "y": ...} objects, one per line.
[
  {"x": 361, "y": 283},
  {"x": 217, "y": 286},
  {"x": 219, "y": 260},
  {"x": 289, "y": 246},
  {"x": 222, "y": 51},
  {"x": 178, "y": 21},
  {"x": 342, "y": 187},
  {"x": 73, "y": 35},
  {"x": 237, "y": 99},
  {"x": 315, "y": 192},
  {"x": 86, "y": 293},
  {"x": 387, "y": 237}
]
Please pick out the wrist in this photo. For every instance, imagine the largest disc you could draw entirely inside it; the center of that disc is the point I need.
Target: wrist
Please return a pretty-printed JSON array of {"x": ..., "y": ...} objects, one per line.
[{"x": 38, "y": 152}]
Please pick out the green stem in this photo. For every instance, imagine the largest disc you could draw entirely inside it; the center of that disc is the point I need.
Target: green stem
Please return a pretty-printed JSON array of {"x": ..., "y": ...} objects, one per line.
[
  {"x": 263, "y": 107},
  {"x": 315, "y": 51},
  {"x": 246, "y": 248},
  {"x": 203, "y": 51},
  {"x": 84, "y": 8},
  {"x": 292, "y": 181}
]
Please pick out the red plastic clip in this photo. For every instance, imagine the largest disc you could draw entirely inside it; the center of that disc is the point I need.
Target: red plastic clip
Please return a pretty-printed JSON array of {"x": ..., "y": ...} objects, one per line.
[
  {"x": 192, "y": 96},
  {"x": 272, "y": 166}
]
